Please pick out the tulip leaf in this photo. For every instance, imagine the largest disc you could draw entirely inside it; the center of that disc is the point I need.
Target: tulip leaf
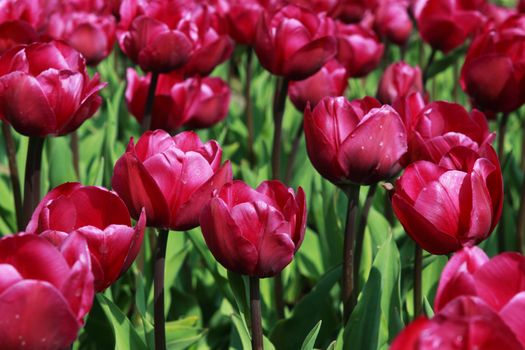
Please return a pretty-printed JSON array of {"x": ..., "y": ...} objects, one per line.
[
  {"x": 376, "y": 315},
  {"x": 290, "y": 333},
  {"x": 442, "y": 64},
  {"x": 309, "y": 341},
  {"x": 126, "y": 338},
  {"x": 240, "y": 292},
  {"x": 183, "y": 333},
  {"x": 241, "y": 339},
  {"x": 60, "y": 161}
]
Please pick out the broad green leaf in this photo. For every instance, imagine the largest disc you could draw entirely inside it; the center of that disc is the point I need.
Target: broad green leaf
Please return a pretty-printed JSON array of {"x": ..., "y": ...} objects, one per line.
[
  {"x": 241, "y": 338},
  {"x": 183, "y": 333},
  {"x": 442, "y": 64},
  {"x": 126, "y": 338},
  {"x": 309, "y": 341}
]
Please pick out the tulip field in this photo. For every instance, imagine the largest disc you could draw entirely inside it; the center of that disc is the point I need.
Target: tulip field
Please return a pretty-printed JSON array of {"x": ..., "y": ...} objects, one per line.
[{"x": 262, "y": 174}]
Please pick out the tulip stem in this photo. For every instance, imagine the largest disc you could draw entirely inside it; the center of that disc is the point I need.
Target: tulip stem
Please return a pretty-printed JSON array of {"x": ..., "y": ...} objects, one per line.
[
  {"x": 32, "y": 176},
  {"x": 279, "y": 103},
  {"x": 249, "y": 106},
  {"x": 74, "y": 151},
  {"x": 255, "y": 306},
  {"x": 418, "y": 274},
  {"x": 158, "y": 289},
  {"x": 13, "y": 173},
  {"x": 426, "y": 71},
  {"x": 352, "y": 192},
  {"x": 521, "y": 214},
  {"x": 502, "y": 130},
  {"x": 293, "y": 153},
  {"x": 360, "y": 238},
  {"x": 148, "y": 109}
]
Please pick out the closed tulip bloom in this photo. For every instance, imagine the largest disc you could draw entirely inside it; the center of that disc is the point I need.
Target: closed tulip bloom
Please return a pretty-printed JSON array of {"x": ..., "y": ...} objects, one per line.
[
  {"x": 331, "y": 80},
  {"x": 254, "y": 232},
  {"x": 242, "y": 17},
  {"x": 194, "y": 102},
  {"x": 149, "y": 35},
  {"x": 398, "y": 81},
  {"x": 521, "y": 6},
  {"x": 91, "y": 34},
  {"x": 101, "y": 217},
  {"x": 14, "y": 33},
  {"x": 359, "y": 49},
  {"x": 318, "y": 6},
  {"x": 440, "y": 126},
  {"x": 45, "y": 291},
  {"x": 393, "y": 22},
  {"x": 500, "y": 51},
  {"x": 171, "y": 177},
  {"x": 455, "y": 203},
  {"x": 446, "y": 24},
  {"x": 45, "y": 89},
  {"x": 292, "y": 43},
  {"x": 466, "y": 323},
  {"x": 353, "y": 11},
  {"x": 34, "y": 12},
  {"x": 357, "y": 142}
]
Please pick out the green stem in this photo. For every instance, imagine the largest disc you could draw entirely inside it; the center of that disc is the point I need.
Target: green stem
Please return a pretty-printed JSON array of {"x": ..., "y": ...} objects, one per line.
[
  {"x": 158, "y": 290},
  {"x": 255, "y": 307},
  {"x": 418, "y": 274}
]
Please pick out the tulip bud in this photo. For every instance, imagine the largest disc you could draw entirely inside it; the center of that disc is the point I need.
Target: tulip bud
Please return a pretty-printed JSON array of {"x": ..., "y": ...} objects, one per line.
[
  {"x": 331, "y": 80},
  {"x": 359, "y": 49},
  {"x": 45, "y": 89},
  {"x": 446, "y": 24},
  {"x": 455, "y": 203},
  {"x": 440, "y": 126},
  {"x": 500, "y": 51},
  {"x": 393, "y": 22},
  {"x": 292, "y": 43},
  {"x": 398, "y": 81},
  {"x": 466, "y": 323},
  {"x": 254, "y": 232},
  {"x": 91, "y": 34},
  {"x": 101, "y": 217},
  {"x": 356, "y": 142},
  {"x": 242, "y": 17},
  {"x": 171, "y": 177},
  {"x": 149, "y": 35},
  {"x": 45, "y": 292},
  {"x": 194, "y": 102}
]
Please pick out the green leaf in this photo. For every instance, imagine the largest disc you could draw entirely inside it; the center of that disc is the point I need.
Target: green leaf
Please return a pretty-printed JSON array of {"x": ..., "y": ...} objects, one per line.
[
  {"x": 183, "y": 333},
  {"x": 290, "y": 333},
  {"x": 126, "y": 338},
  {"x": 309, "y": 342},
  {"x": 241, "y": 338},
  {"x": 442, "y": 64},
  {"x": 376, "y": 315}
]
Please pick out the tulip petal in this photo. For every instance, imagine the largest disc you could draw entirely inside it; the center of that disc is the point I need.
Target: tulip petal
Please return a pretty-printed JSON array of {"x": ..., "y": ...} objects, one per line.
[
  {"x": 25, "y": 105},
  {"x": 205, "y": 59},
  {"x": 165, "y": 52},
  {"x": 416, "y": 176},
  {"x": 310, "y": 58},
  {"x": 9, "y": 276},
  {"x": 513, "y": 314},
  {"x": 153, "y": 142},
  {"x": 500, "y": 279},
  {"x": 36, "y": 316},
  {"x": 188, "y": 213},
  {"x": 225, "y": 239},
  {"x": 136, "y": 243}
]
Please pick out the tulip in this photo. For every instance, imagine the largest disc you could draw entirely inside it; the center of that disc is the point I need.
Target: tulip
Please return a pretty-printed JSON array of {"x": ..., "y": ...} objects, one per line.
[
  {"x": 466, "y": 323},
  {"x": 353, "y": 11},
  {"x": 356, "y": 142},
  {"x": 195, "y": 102},
  {"x": 498, "y": 14},
  {"x": 242, "y": 17},
  {"x": 499, "y": 50},
  {"x": 317, "y": 6},
  {"x": 101, "y": 217},
  {"x": 14, "y": 33},
  {"x": 45, "y": 89},
  {"x": 149, "y": 34},
  {"x": 254, "y": 232},
  {"x": 171, "y": 177},
  {"x": 393, "y": 22},
  {"x": 440, "y": 126},
  {"x": 92, "y": 34},
  {"x": 34, "y": 12},
  {"x": 331, "y": 80},
  {"x": 45, "y": 292},
  {"x": 398, "y": 81},
  {"x": 452, "y": 204},
  {"x": 521, "y": 6},
  {"x": 446, "y": 24},
  {"x": 292, "y": 43},
  {"x": 359, "y": 49}
]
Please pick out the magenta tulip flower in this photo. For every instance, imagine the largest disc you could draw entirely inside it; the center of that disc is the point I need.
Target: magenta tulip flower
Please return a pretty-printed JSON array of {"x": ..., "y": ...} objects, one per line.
[
  {"x": 45, "y": 89},
  {"x": 254, "y": 232},
  {"x": 242, "y": 17},
  {"x": 101, "y": 217},
  {"x": 452, "y": 204},
  {"x": 292, "y": 43},
  {"x": 45, "y": 291},
  {"x": 393, "y": 22},
  {"x": 14, "y": 33},
  {"x": 171, "y": 177},
  {"x": 357, "y": 142},
  {"x": 398, "y": 81}
]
